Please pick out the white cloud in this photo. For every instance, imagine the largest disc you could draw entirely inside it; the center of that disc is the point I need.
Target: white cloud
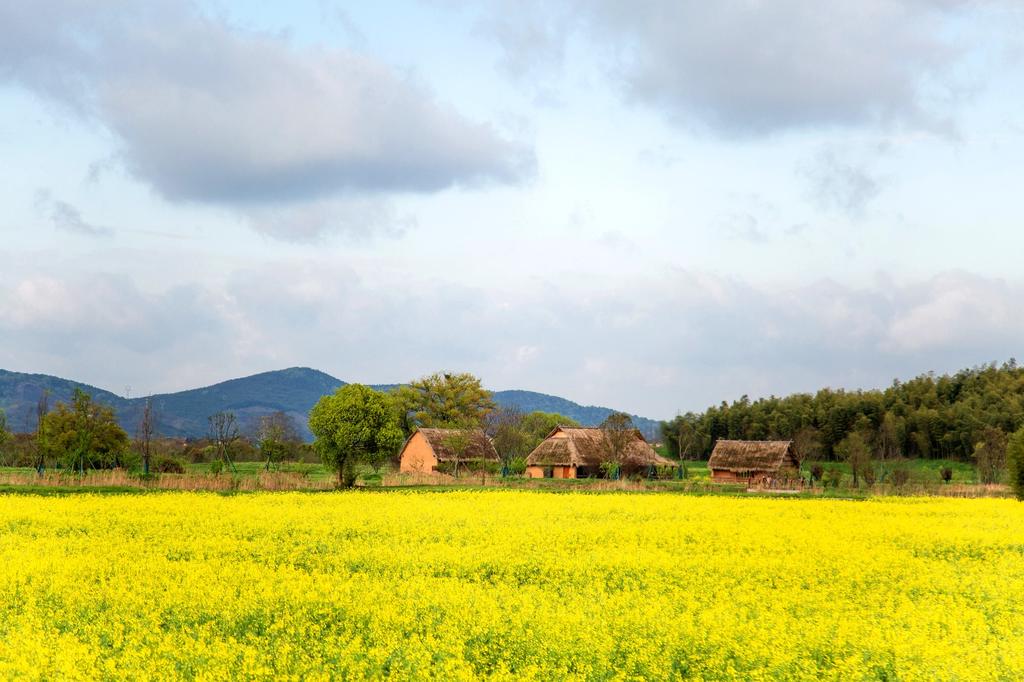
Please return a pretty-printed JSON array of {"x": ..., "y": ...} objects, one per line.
[
  {"x": 753, "y": 67},
  {"x": 207, "y": 112},
  {"x": 684, "y": 340}
]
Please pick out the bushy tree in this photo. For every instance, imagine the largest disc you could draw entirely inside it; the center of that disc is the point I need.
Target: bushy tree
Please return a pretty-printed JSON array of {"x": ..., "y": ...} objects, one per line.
[
  {"x": 855, "y": 450},
  {"x": 506, "y": 428},
  {"x": 459, "y": 440},
  {"x": 1015, "y": 463},
  {"x": 807, "y": 444},
  {"x": 83, "y": 434},
  {"x": 618, "y": 431},
  {"x": 538, "y": 425},
  {"x": 355, "y": 424},
  {"x": 891, "y": 433},
  {"x": 443, "y": 398},
  {"x": 277, "y": 437},
  {"x": 990, "y": 455}
]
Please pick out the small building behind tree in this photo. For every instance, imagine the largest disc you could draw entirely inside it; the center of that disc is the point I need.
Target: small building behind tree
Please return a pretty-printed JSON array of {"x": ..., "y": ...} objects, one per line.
[
  {"x": 433, "y": 450},
  {"x": 579, "y": 452},
  {"x": 751, "y": 461}
]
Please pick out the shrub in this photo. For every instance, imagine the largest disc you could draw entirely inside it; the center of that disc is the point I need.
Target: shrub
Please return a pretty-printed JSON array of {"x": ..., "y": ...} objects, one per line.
[
  {"x": 868, "y": 474},
  {"x": 517, "y": 466},
  {"x": 946, "y": 474},
  {"x": 833, "y": 477},
  {"x": 817, "y": 472},
  {"x": 468, "y": 467},
  {"x": 666, "y": 473},
  {"x": 900, "y": 476},
  {"x": 129, "y": 461},
  {"x": 203, "y": 454},
  {"x": 216, "y": 466},
  {"x": 169, "y": 465},
  {"x": 611, "y": 469}
]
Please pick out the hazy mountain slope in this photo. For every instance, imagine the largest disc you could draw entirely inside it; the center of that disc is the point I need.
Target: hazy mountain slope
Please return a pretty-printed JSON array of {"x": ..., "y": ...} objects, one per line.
[
  {"x": 19, "y": 393},
  {"x": 294, "y": 390},
  {"x": 588, "y": 415}
]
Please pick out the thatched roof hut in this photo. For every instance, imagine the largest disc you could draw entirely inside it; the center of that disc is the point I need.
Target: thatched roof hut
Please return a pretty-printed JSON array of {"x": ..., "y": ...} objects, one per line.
[
  {"x": 427, "y": 447},
  {"x": 743, "y": 460},
  {"x": 480, "y": 446},
  {"x": 576, "y": 451}
]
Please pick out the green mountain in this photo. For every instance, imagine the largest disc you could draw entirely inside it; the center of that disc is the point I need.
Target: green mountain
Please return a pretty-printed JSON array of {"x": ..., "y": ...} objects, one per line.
[
  {"x": 588, "y": 415},
  {"x": 294, "y": 390}
]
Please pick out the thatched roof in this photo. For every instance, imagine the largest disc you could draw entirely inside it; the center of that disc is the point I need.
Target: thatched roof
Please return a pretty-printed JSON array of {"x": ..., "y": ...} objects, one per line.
[
  {"x": 744, "y": 456},
  {"x": 589, "y": 447},
  {"x": 480, "y": 445}
]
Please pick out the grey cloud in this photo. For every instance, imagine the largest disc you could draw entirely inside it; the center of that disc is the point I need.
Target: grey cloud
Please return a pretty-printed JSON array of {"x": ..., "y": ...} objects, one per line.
[
  {"x": 67, "y": 218},
  {"x": 212, "y": 113},
  {"x": 682, "y": 340},
  {"x": 841, "y": 185},
  {"x": 753, "y": 68}
]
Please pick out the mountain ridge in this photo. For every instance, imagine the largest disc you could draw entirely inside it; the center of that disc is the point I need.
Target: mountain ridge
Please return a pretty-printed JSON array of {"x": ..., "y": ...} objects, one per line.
[{"x": 293, "y": 390}]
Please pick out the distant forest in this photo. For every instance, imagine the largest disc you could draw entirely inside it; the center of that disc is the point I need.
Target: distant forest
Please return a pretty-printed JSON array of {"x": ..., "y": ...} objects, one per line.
[{"x": 927, "y": 417}]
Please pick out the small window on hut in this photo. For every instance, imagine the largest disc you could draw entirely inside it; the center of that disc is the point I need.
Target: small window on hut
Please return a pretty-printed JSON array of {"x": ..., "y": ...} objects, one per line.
[{"x": 549, "y": 472}]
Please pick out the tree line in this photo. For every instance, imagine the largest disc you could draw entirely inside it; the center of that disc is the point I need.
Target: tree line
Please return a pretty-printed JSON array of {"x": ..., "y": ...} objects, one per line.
[
  {"x": 358, "y": 425},
  {"x": 965, "y": 416},
  {"x": 941, "y": 417},
  {"x": 354, "y": 426},
  {"x": 969, "y": 416}
]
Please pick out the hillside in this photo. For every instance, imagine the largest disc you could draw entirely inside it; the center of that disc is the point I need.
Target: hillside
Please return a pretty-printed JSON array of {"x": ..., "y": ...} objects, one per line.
[
  {"x": 588, "y": 415},
  {"x": 20, "y": 392},
  {"x": 294, "y": 390}
]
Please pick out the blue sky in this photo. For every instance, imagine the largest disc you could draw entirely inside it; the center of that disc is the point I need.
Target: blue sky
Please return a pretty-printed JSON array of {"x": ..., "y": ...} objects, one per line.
[{"x": 654, "y": 206}]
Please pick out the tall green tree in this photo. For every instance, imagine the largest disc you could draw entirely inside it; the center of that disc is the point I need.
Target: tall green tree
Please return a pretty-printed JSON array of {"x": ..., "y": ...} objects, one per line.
[
  {"x": 443, "y": 398},
  {"x": 355, "y": 424},
  {"x": 146, "y": 431},
  {"x": 83, "y": 434},
  {"x": 42, "y": 409},
  {"x": 618, "y": 431},
  {"x": 1015, "y": 463},
  {"x": 807, "y": 444},
  {"x": 855, "y": 450},
  {"x": 990, "y": 455},
  {"x": 5, "y": 433},
  {"x": 506, "y": 428}
]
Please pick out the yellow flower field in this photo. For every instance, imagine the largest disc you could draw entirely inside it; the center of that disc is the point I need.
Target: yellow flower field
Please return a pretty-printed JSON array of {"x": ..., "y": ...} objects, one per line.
[{"x": 462, "y": 585}]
